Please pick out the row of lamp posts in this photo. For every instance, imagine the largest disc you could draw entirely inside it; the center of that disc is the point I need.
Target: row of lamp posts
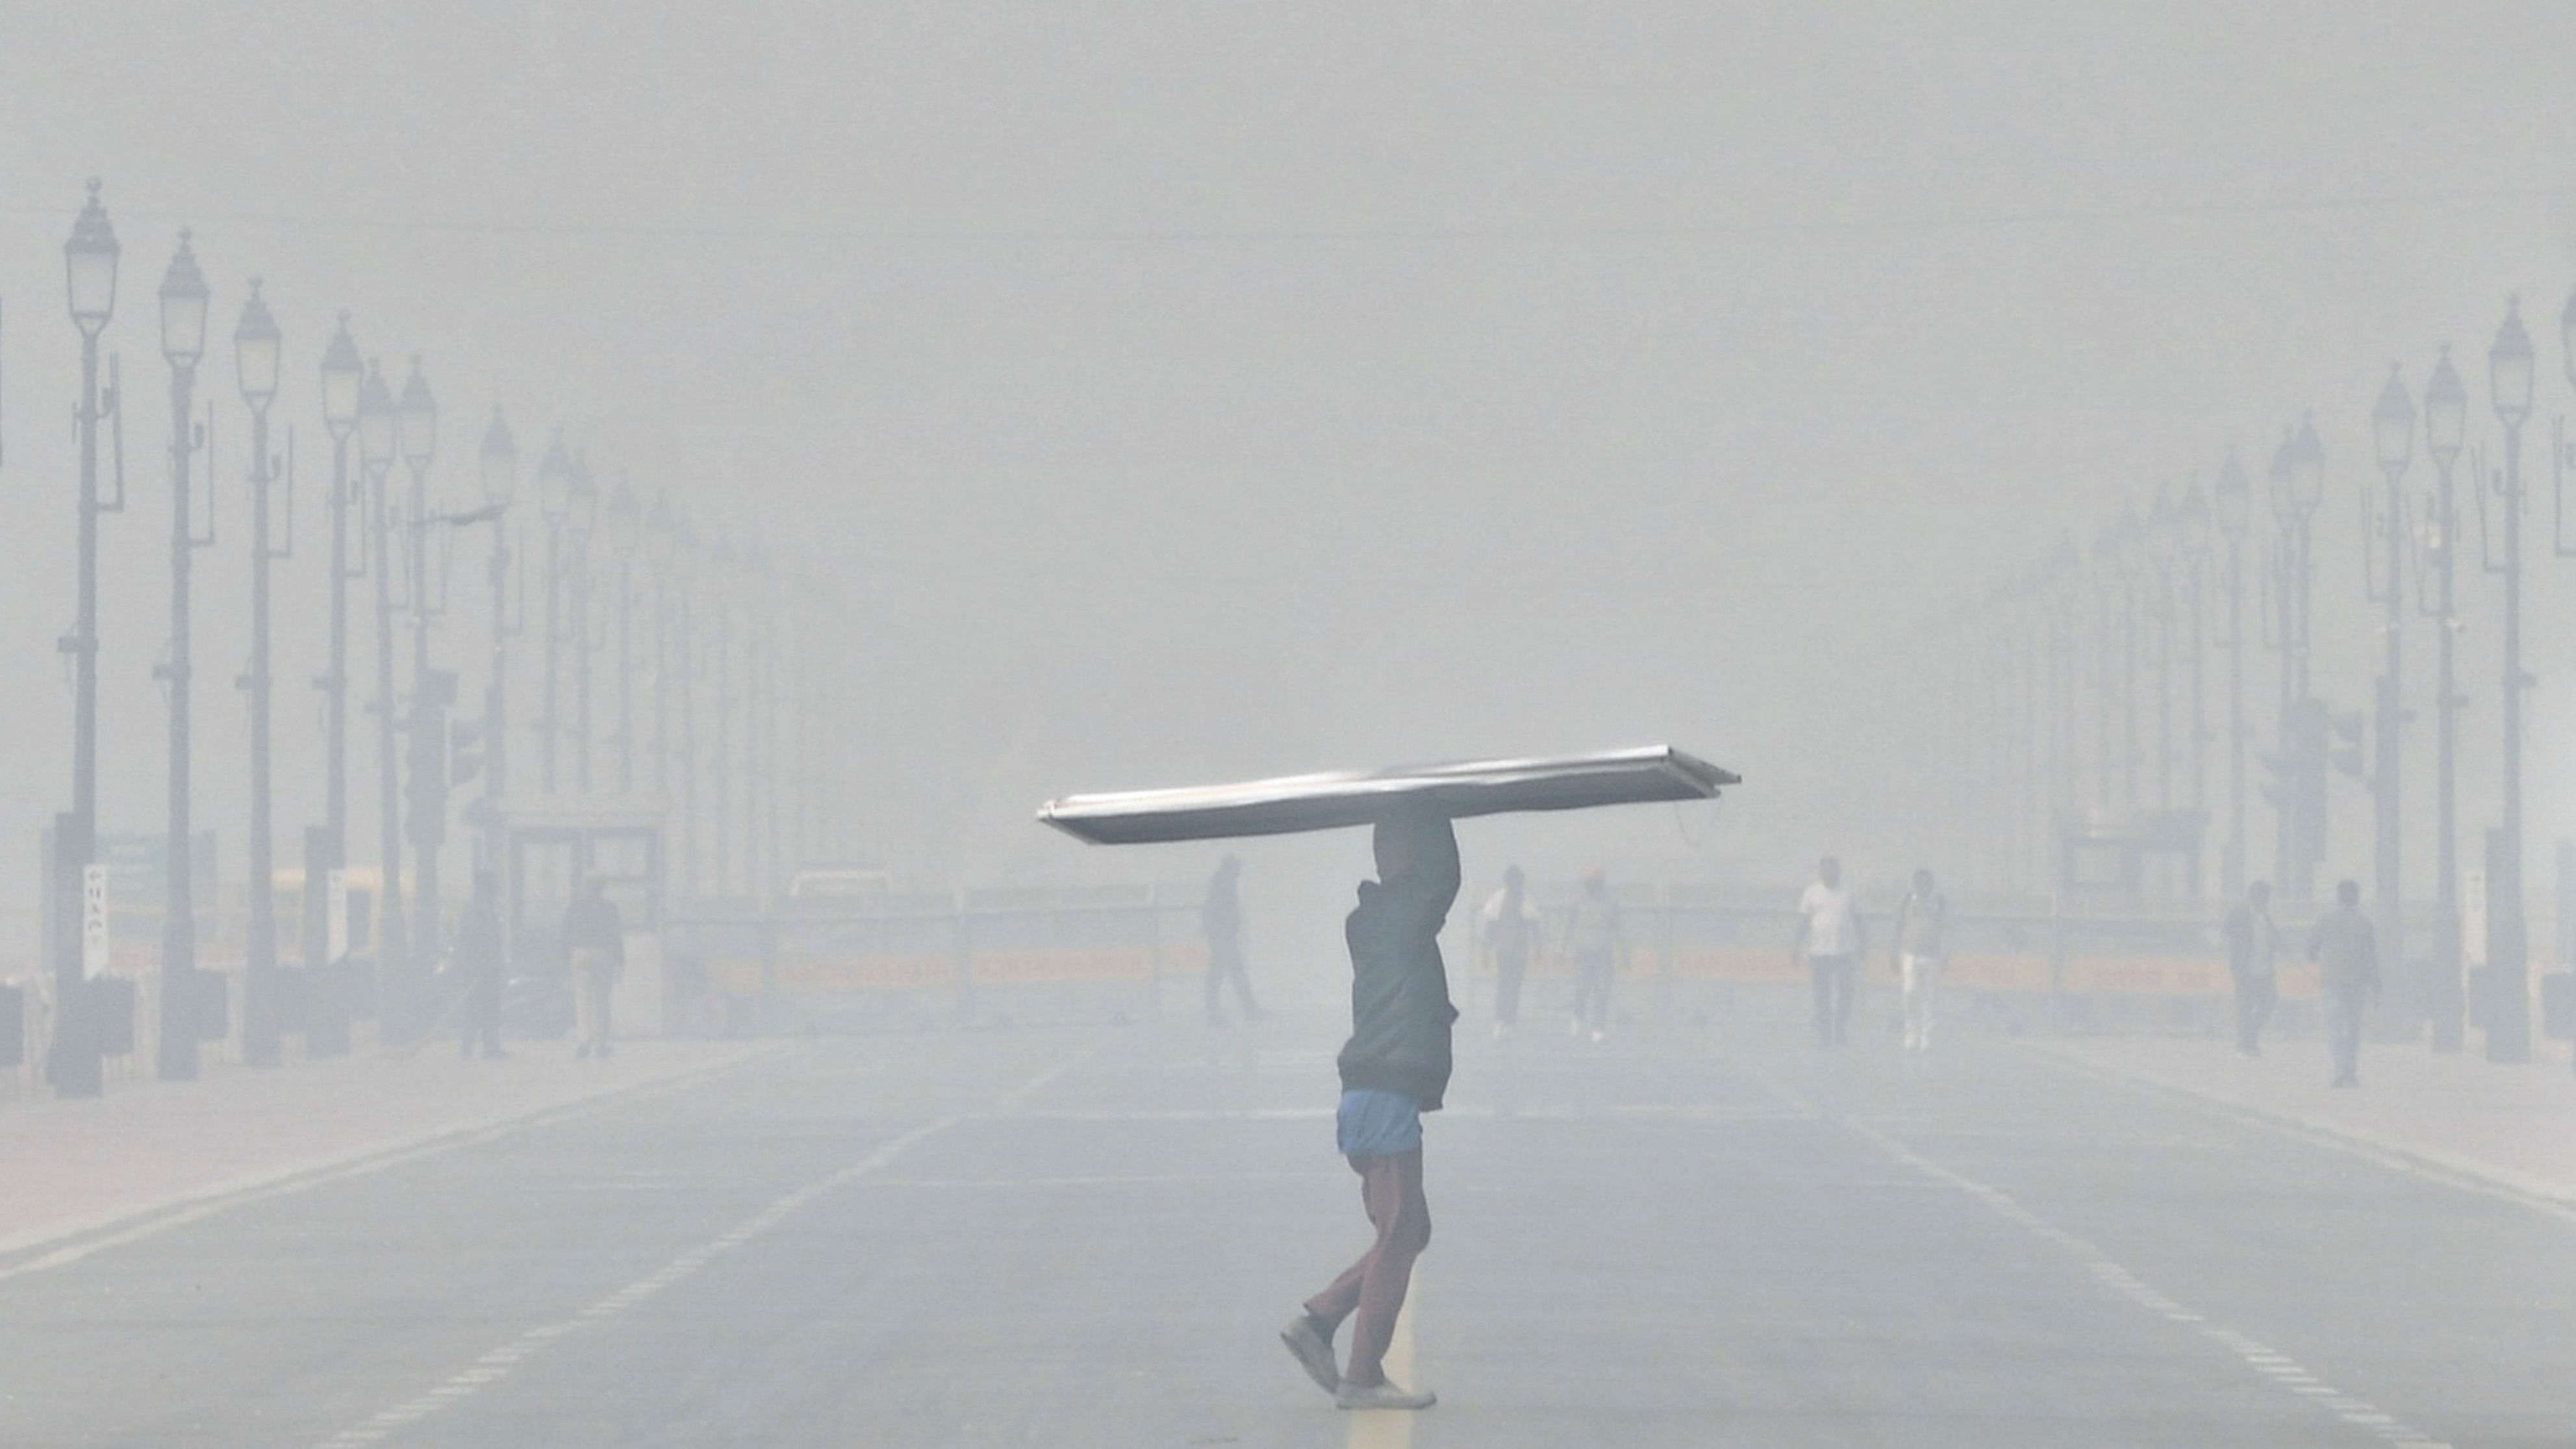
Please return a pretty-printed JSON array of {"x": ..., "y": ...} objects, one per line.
[
  {"x": 2132, "y": 553},
  {"x": 393, "y": 547}
]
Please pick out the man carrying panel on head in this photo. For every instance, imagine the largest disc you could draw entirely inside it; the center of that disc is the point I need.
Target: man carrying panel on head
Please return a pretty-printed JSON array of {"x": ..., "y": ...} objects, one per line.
[{"x": 1394, "y": 1068}]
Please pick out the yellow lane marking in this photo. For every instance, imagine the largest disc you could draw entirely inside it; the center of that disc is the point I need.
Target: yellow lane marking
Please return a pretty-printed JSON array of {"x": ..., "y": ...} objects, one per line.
[{"x": 1392, "y": 1428}]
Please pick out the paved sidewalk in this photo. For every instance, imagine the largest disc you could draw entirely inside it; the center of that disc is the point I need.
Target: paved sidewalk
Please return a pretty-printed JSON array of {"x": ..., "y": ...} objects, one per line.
[
  {"x": 80, "y": 1167},
  {"x": 2511, "y": 1126}
]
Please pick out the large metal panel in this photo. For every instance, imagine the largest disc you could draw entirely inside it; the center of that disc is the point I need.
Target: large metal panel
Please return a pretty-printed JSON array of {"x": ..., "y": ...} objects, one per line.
[{"x": 1332, "y": 801}]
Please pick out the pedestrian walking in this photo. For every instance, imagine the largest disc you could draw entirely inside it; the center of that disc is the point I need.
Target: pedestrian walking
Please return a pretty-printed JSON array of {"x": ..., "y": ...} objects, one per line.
[
  {"x": 595, "y": 940},
  {"x": 1221, "y": 921},
  {"x": 2346, "y": 951},
  {"x": 478, "y": 960},
  {"x": 2253, "y": 943},
  {"x": 1596, "y": 938},
  {"x": 1512, "y": 931},
  {"x": 1394, "y": 1068},
  {"x": 1922, "y": 924},
  {"x": 1829, "y": 942}
]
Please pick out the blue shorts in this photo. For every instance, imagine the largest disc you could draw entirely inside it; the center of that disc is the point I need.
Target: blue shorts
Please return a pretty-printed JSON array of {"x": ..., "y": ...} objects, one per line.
[{"x": 1372, "y": 1123}]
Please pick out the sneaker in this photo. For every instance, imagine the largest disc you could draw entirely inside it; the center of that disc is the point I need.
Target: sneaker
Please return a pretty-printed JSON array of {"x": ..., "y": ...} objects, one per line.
[
  {"x": 1381, "y": 1396},
  {"x": 1313, "y": 1350}
]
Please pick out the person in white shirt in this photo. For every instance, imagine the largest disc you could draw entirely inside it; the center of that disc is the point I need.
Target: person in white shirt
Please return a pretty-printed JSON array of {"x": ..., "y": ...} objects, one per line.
[
  {"x": 1510, "y": 925},
  {"x": 1829, "y": 941},
  {"x": 1922, "y": 922}
]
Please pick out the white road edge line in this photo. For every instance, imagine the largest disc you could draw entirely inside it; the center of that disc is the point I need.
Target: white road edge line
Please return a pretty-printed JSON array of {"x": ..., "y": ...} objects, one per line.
[
  {"x": 2265, "y": 1362},
  {"x": 2441, "y": 1169},
  {"x": 129, "y": 1225}
]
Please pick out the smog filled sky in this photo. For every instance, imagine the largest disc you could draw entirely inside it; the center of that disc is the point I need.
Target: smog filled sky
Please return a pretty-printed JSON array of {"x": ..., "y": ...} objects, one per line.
[{"x": 1171, "y": 392}]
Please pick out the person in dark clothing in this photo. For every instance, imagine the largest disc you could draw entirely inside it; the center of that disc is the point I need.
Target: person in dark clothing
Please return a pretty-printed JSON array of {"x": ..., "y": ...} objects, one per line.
[
  {"x": 595, "y": 941},
  {"x": 1596, "y": 939},
  {"x": 1511, "y": 928},
  {"x": 1221, "y": 919},
  {"x": 1394, "y": 1068},
  {"x": 2252, "y": 943},
  {"x": 2346, "y": 951},
  {"x": 478, "y": 961}
]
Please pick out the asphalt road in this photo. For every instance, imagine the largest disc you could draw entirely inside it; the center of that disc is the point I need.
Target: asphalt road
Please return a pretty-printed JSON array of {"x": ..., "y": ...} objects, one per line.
[{"x": 1086, "y": 1235}]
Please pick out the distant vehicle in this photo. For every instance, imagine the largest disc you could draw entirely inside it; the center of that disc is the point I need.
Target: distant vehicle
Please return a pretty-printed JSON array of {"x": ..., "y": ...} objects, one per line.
[{"x": 839, "y": 884}]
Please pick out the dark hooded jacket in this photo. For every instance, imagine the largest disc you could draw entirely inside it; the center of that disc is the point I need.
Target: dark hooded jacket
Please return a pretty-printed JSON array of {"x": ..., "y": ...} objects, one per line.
[{"x": 1400, "y": 1008}]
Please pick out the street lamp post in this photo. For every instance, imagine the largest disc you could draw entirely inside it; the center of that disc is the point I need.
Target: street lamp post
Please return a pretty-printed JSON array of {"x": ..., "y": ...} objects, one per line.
[
  {"x": 73, "y": 1061},
  {"x": 2233, "y": 503},
  {"x": 720, "y": 578},
  {"x": 2567, "y": 355},
  {"x": 661, "y": 547},
  {"x": 554, "y": 501},
  {"x": 183, "y": 342},
  {"x": 2446, "y": 409},
  {"x": 2298, "y": 485},
  {"x": 416, "y": 421},
  {"x": 684, "y": 633},
  {"x": 499, "y": 461},
  {"x": 581, "y": 520},
  {"x": 2393, "y": 432},
  {"x": 623, "y": 521},
  {"x": 256, "y": 345},
  {"x": 2163, "y": 549},
  {"x": 2508, "y": 1005},
  {"x": 2065, "y": 576},
  {"x": 379, "y": 424},
  {"x": 760, "y": 803},
  {"x": 2192, "y": 526},
  {"x": 326, "y": 1005},
  {"x": 2120, "y": 550}
]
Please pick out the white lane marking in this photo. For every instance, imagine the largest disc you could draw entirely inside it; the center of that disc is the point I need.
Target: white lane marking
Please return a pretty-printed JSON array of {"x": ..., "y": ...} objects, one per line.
[
  {"x": 162, "y": 1217},
  {"x": 1047, "y": 1078},
  {"x": 501, "y": 1362},
  {"x": 1147, "y": 1181},
  {"x": 2255, "y": 1355},
  {"x": 492, "y": 1367}
]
